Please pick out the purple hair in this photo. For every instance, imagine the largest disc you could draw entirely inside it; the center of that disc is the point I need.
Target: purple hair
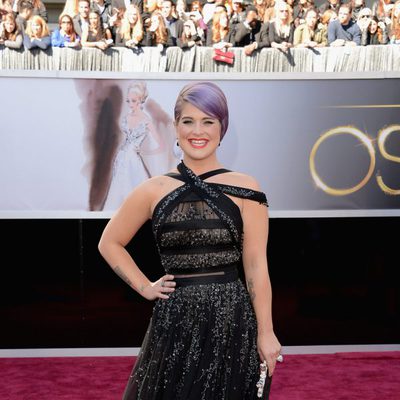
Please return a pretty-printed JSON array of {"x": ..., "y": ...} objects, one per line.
[{"x": 207, "y": 97}]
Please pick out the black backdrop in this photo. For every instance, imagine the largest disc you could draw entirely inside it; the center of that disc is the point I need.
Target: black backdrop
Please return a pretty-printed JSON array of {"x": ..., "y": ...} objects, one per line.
[{"x": 335, "y": 281}]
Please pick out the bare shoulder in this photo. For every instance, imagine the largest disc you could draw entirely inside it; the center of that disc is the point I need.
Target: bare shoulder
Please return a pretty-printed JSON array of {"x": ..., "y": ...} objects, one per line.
[
  {"x": 241, "y": 180},
  {"x": 155, "y": 185}
]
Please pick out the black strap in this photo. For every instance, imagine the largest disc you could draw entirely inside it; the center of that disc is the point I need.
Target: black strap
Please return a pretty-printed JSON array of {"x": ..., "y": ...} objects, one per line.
[
  {"x": 204, "y": 176},
  {"x": 224, "y": 207},
  {"x": 232, "y": 190}
]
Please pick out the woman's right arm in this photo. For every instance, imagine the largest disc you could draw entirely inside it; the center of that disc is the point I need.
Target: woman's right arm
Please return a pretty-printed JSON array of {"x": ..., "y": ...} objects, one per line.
[
  {"x": 133, "y": 213},
  {"x": 14, "y": 44}
]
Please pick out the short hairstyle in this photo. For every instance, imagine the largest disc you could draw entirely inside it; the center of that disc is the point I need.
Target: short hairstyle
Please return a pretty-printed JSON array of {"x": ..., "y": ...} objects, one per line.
[
  {"x": 140, "y": 89},
  {"x": 207, "y": 97},
  {"x": 348, "y": 6},
  {"x": 25, "y": 5}
]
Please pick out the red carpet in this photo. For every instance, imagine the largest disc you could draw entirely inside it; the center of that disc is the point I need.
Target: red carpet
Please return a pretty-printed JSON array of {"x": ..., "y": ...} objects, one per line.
[{"x": 340, "y": 376}]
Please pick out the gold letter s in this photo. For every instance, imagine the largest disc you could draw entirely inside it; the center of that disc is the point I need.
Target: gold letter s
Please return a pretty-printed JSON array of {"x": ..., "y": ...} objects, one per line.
[{"x": 382, "y": 136}]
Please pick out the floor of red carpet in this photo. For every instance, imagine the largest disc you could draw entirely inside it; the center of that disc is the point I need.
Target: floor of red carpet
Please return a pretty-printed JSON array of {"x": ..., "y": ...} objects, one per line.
[{"x": 340, "y": 376}]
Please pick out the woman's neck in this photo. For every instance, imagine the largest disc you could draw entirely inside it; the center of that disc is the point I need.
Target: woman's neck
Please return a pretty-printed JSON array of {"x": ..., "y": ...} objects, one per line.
[{"x": 201, "y": 166}]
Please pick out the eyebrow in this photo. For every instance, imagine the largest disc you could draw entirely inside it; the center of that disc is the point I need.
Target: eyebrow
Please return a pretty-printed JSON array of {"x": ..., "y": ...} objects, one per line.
[{"x": 188, "y": 116}]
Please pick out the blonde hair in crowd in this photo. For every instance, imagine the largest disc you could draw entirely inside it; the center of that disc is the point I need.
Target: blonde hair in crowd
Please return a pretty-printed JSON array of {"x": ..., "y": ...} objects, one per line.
[{"x": 40, "y": 21}]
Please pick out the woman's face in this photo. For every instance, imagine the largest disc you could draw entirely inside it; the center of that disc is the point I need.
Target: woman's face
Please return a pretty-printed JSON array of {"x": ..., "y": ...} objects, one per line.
[
  {"x": 223, "y": 20},
  {"x": 198, "y": 134},
  {"x": 93, "y": 20},
  {"x": 9, "y": 25},
  {"x": 283, "y": 12},
  {"x": 66, "y": 25},
  {"x": 133, "y": 16},
  {"x": 180, "y": 6},
  {"x": 133, "y": 102},
  {"x": 311, "y": 19},
  {"x": 373, "y": 26},
  {"x": 36, "y": 29},
  {"x": 155, "y": 22}
]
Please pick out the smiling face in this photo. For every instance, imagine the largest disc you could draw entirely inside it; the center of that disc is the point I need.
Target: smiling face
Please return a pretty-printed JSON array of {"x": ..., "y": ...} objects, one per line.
[
  {"x": 83, "y": 9},
  {"x": 198, "y": 134},
  {"x": 373, "y": 26},
  {"x": 9, "y": 25},
  {"x": 94, "y": 19}
]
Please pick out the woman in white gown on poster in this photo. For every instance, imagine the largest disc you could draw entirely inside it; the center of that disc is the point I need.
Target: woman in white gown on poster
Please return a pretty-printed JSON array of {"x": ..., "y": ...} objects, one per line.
[{"x": 143, "y": 152}]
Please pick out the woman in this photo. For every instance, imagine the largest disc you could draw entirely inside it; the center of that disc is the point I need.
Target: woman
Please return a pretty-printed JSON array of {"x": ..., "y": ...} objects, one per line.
[
  {"x": 300, "y": 10},
  {"x": 281, "y": 29},
  {"x": 181, "y": 10},
  {"x": 37, "y": 34},
  {"x": 65, "y": 35},
  {"x": 190, "y": 36},
  {"x": 394, "y": 33},
  {"x": 95, "y": 35},
  {"x": 140, "y": 139},
  {"x": 383, "y": 10},
  {"x": 261, "y": 6},
  {"x": 322, "y": 30},
  {"x": 305, "y": 35},
  {"x": 130, "y": 33},
  {"x": 363, "y": 19},
  {"x": 208, "y": 333},
  {"x": 356, "y": 7},
  {"x": 5, "y": 7},
  {"x": 10, "y": 36},
  {"x": 221, "y": 36},
  {"x": 375, "y": 34},
  {"x": 158, "y": 34}
]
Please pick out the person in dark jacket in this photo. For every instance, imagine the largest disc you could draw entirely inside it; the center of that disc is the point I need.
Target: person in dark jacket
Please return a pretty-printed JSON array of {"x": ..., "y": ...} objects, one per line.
[{"x": 248, "y": 33}]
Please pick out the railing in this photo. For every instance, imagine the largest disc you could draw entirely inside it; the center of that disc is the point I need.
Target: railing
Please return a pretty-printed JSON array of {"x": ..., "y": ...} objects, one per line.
[{"x": 199, "y": 59}]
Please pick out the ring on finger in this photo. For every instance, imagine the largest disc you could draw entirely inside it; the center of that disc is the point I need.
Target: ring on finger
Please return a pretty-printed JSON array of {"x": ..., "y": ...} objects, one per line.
[
  {"x": 162, "y": 284},
  {"x": 279, "y": 358}
]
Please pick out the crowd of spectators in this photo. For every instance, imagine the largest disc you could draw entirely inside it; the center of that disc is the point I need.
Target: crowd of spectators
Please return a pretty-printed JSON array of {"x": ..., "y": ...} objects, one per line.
[{"x": 215, "y": 23}]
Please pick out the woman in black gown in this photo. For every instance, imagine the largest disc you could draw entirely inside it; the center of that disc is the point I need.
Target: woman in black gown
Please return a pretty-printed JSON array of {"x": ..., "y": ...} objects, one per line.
[{"x": 208, "y": 333}]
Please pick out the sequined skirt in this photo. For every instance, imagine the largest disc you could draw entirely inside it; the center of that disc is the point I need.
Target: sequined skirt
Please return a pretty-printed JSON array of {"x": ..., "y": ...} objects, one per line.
[{"x": 201, "y": 344}]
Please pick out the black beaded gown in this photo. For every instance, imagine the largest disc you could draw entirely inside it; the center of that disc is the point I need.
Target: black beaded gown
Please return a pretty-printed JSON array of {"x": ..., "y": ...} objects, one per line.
[{"x": 201, "y": 343}]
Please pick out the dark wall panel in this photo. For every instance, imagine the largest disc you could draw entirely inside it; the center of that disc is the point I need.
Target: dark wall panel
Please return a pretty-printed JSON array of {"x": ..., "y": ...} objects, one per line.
[{"x": 335, "y": 281}]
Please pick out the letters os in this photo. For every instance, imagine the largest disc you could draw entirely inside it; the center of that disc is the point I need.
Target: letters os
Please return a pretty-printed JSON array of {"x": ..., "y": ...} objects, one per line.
[{"x": 383, "y": 134}]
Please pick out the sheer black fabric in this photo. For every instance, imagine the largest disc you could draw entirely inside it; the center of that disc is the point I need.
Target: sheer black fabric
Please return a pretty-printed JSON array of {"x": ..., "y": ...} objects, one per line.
[{"x": 201, "y": 342}]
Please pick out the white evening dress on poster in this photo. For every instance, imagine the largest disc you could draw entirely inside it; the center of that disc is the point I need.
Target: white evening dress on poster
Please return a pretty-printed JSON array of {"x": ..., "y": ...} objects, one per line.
[{"x": 129, "y": 169}]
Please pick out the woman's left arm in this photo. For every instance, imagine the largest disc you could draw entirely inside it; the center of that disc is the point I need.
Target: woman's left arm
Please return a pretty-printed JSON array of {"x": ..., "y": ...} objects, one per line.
[{"x": 255, "y": 238}]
